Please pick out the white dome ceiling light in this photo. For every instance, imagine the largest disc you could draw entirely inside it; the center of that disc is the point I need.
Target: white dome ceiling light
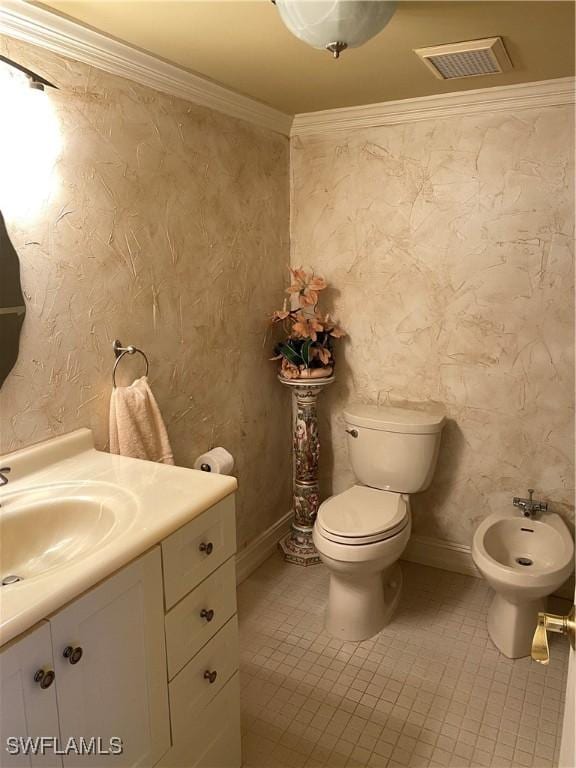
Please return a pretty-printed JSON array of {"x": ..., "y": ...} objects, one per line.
[{"x": 335, "y": 24}]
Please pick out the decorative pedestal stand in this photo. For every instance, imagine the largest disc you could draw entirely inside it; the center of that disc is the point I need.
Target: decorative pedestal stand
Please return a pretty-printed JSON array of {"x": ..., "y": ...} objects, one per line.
[{"x": 297, "y": 546}]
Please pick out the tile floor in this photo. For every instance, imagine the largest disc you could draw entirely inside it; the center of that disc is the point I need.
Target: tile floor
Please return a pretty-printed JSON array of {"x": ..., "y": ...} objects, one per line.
[{"x": 429, "y": 690}]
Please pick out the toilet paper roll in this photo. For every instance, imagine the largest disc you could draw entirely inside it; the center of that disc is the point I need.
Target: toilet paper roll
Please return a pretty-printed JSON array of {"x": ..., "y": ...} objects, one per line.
[{"x": 218, "y": 460}]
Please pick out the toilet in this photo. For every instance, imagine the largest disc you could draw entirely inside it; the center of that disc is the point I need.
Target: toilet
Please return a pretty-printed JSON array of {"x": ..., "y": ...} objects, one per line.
[{"x": 360, "y": 534}]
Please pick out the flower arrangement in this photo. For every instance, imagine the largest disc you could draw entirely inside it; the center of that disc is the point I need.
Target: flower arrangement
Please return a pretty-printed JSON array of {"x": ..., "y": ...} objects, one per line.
[{"x": 307, "y": 350}]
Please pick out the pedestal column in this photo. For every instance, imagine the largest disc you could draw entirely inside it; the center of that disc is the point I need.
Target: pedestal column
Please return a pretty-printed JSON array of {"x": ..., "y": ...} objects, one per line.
[{"x": 297, "y": 546}]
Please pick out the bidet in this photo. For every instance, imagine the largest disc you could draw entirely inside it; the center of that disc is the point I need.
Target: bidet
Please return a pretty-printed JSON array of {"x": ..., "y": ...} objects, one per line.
[{"x": 524, "y": 561}]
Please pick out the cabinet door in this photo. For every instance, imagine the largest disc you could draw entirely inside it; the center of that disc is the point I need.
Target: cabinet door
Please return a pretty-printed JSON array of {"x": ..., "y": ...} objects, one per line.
[
  {"x": 26, "y": 709},
  {"x": 213, "y": 736},
  {"x": 118, "y": 686}
]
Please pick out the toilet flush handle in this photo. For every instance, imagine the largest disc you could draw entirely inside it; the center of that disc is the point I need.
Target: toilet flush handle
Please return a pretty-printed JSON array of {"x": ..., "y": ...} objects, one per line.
[
  {"x": 352, "y": 432},
  {"x": 550, "y": 622}
]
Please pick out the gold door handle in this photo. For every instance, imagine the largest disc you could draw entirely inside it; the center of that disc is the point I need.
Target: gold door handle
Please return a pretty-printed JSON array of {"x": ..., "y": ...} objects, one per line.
[{"x": 550, "y": 622}]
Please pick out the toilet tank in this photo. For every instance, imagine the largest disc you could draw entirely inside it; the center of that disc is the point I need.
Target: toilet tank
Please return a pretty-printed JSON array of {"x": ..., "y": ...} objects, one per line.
[{"x": 394, "y": 448}]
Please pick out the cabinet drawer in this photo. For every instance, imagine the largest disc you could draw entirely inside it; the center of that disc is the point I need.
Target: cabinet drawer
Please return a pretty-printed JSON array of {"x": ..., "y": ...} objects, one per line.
[
  {"x": 198, "y": 548},
  {"x": 186, "y": 629},
  {"x": 190, "y": 691},
  {"x": 213, "y": 738}
]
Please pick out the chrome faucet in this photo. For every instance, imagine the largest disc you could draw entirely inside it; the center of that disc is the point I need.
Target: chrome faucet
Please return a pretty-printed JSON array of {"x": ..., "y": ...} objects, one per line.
[
  {"x": 528, "y": 506},
  {"x": 3, "y": 479}
]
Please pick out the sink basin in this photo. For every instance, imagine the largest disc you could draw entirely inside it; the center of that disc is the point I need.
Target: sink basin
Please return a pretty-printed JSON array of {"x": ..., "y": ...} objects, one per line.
[
  {"x": 70, "y": 516},
  {"x": 51, "y": 526}
]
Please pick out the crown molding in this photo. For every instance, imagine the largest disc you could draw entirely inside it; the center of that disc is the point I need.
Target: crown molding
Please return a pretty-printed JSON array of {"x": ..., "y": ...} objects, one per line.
[
  {"x": 546, "y": 93},
  {"x": 43, "y": 28},
  {"x": 60, "y": 35}
]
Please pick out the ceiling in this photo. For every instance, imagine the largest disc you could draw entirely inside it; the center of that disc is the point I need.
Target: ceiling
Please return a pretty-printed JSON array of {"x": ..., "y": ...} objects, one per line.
[{"x": 243, "y": 45}]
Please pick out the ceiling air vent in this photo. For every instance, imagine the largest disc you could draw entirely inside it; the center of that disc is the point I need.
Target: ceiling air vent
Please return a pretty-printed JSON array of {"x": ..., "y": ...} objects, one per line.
[{"x": 470, "y": 59}]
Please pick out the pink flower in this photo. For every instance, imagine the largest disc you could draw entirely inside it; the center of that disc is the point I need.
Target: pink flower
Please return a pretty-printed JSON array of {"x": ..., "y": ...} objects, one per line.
[
  {"x": 331, "y": 327},
  {"x": 281, "y": 314},
  {"x": 289, "y": 370},
  {"x": 306, "y": 327},
  {"x": 306, "y": 285},
  {"x": 323, "y": 354}
]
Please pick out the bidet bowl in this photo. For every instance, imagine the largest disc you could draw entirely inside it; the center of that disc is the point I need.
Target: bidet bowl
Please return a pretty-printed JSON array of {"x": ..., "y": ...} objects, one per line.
[{"x": 523, "y": 559}]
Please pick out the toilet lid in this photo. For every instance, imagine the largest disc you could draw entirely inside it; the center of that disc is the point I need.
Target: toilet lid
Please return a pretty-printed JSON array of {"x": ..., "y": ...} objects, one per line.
[{"x": 361, "y": 515}]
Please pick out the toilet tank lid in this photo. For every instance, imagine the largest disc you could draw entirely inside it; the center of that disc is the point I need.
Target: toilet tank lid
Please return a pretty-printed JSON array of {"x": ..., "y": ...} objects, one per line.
[{"x": 413, "y": 420}]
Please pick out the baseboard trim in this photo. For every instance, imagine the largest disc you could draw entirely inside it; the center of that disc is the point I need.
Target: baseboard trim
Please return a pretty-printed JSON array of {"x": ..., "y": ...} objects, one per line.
[
  {"x": 261, "y": 548},
  {"x": 437, "y": 553},
  {"x": 423, "y": 550},
  {"x": 449, "y": 556}
]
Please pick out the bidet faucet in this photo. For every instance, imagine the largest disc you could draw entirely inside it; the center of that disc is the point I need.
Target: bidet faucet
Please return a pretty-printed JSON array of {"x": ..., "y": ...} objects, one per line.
[{"x": 528, "y": 506}]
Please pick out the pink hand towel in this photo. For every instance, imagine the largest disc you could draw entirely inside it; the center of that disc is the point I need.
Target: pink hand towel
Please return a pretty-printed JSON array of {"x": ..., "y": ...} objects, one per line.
[{"x": 136, "y": 425}]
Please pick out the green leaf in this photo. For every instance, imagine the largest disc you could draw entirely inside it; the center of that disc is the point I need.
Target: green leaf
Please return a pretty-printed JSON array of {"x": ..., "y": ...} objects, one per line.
[
  {"x": 305, "y": 351},
  {"x": 290, "y": 355}
]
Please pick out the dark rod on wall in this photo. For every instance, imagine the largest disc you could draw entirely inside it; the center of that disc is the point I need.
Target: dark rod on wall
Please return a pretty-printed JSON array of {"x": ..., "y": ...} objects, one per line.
[{"x": 36, "y": 81}]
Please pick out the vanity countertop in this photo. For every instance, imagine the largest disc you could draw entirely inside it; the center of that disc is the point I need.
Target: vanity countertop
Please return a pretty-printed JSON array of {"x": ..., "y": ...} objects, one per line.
[{"x": 115, "y": 507}]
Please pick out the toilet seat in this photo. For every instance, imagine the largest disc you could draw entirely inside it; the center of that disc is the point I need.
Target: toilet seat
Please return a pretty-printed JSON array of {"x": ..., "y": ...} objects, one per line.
[{"x": 362, "y": 515}]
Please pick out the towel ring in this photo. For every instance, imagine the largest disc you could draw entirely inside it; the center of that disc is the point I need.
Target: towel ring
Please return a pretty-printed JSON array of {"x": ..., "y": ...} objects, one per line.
[{"x": 120, "y": 351}]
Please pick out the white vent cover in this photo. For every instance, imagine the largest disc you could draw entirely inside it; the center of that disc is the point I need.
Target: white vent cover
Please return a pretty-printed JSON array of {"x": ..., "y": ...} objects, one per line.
[{"x": 470, "y": 59}]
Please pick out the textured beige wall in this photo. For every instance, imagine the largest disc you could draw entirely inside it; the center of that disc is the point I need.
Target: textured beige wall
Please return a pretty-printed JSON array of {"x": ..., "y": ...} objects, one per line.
[
  {"x": 166, "y": 226},
  {"x": 449, "y": 247},
  {"x": 448, "y": 243}
]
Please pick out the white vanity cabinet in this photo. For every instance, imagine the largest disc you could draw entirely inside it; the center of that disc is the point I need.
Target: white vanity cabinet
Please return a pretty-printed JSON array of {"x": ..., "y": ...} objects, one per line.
[{"x": 149, "y": 655}]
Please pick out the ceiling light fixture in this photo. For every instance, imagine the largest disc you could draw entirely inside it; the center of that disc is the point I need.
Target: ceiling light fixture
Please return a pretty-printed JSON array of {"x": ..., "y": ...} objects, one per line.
[
  {"x": 335, "y": 24},
  {"x": 34, "y": 80}
]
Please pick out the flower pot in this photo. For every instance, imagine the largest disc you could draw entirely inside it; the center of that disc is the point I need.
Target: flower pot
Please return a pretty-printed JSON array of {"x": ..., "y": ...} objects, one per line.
[{"x": 310, "y": 373}]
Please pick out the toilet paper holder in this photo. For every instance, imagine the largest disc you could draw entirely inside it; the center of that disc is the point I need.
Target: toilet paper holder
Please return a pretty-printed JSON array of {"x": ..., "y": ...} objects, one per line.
[{"x": 217, "y": 461}]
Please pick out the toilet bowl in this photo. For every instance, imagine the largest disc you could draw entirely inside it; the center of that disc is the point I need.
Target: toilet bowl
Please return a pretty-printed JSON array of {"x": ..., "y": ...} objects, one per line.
[
  {"x": 524, "y": 560},
  {"x": 360, "y": 534}
]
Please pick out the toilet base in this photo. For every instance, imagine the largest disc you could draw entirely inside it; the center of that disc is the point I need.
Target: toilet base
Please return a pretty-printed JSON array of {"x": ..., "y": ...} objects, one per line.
[
  {"x": 359, "y": 607},
  {"x": 511, "y": 626}
]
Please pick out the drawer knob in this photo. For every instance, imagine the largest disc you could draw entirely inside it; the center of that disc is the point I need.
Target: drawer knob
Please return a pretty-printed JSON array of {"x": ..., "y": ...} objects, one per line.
[
  {"x": 45, "y": 678},
  {"x": 206, "y": 547},
  {"x": 210, "y": 676},
  {"x": 73, "y": 654},
  {"x": 207, "y": 614}
]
